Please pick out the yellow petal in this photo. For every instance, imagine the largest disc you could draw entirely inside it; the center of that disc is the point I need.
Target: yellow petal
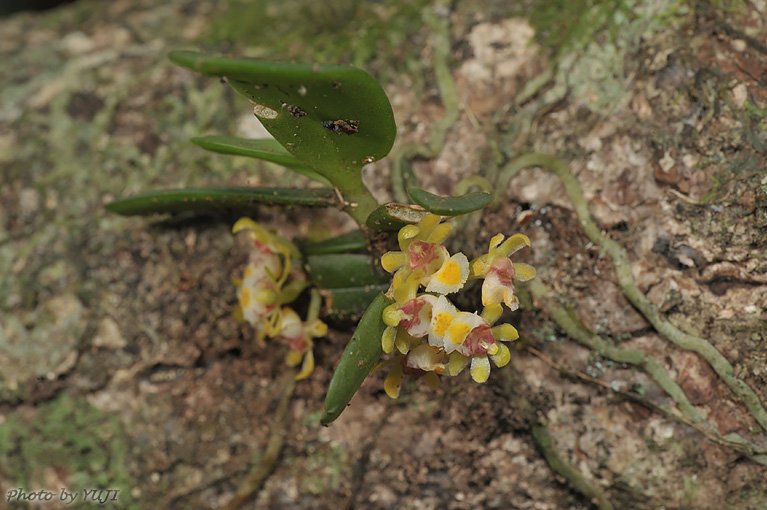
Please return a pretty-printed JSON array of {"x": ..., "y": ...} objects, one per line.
[
  {"x": 387, "y": 340},
  {"x": 402, "y": 341},
  {"x": 440, "y": 233},
  {"x": 457, "y": 363},
  {"x": 293, "y": 358},
  {"x": 393, "y": 260},
  {"x": 480, "y": 368},
  {"x": 495, "y": 241},
  {"x": 393, "y": 381},
  {"x": 505, "y": 332},
  {"x": 427, "y": 224},
  {"x": 492, "y": 313},
  {"x": 406, "y": 235},
  {"x": 503, "y": 356},
  {"x": 513, "y": 244},
  {"x": 391, "y": 315},
  {"x": 245, "y": 224},
  {"x": 307, "y": 368},
  {"x": 523, "y": 272},
  {"x": 479, "y": 266}
]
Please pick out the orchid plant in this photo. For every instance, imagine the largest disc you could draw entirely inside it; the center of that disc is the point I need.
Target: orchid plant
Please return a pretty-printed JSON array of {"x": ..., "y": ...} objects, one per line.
[{"x": 327, "y": 123}]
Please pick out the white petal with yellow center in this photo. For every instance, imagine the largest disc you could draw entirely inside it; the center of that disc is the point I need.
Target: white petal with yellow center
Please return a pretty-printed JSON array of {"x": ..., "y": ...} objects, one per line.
[
  {"x": 443, "y": 313},
  {"x": 451, "y": 276},
  {"x": 459, "y": 328}
]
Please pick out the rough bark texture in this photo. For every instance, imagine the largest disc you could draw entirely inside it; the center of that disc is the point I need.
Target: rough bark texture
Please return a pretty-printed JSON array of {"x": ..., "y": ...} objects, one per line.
[{"x": 121, "y": 366}]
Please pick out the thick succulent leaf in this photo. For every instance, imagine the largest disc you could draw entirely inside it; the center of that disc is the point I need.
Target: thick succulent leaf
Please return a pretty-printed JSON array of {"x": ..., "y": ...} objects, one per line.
[
  {"x": 450, "y": 206},
  {"x": 333, "y": 118},
  {"x": 360, "y": 356},
  {"x": 394, "y": 216},
  {"x": 348, "y": 304},
  {"x": 345, "y": 243},
  {"x": 241, "y": 199},
  {"x": 337, "y": 271},
  {"x": 268, "y": 150}
]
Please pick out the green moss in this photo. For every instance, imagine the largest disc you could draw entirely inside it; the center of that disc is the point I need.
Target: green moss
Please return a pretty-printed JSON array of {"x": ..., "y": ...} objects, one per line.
[{"x": 70, "y": 436}]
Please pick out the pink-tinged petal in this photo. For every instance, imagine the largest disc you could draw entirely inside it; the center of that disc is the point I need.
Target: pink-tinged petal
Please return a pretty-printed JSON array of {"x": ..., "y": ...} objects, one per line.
[
  {"x": 480, "y": 368},
  {"x": 451, "y": 276},
  {"x": 426, "y": 358},
  {"x": 498, "y": 288},
  {"x": 524, "y": 272},
  {"x": 426, "y": 256},
  {"x": 479, "y": 341},
  {"x": 292, "y": 330},
  {"x": 503, "y": 268},
  {"x": 416, "y": 315}
]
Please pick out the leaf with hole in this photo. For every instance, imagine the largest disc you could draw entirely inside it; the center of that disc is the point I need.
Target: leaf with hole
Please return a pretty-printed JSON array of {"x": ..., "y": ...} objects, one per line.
[{"x": 335, "y": 119}]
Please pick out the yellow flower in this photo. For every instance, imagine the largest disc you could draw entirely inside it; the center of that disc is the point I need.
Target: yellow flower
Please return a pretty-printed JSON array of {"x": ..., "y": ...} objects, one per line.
[
  {"x": 421, "y": 251},
  {"x": 498, "y": 270},
  {"x": 298, "y": 336}
]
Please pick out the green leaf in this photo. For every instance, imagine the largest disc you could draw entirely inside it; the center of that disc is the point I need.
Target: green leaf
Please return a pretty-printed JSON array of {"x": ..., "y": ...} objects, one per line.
[
  {"x": 450, "y": 206},
  {"x": 345, "y": 243},
  {"x": 394, "y": 216},
  {"x": 333, "y": 118},
  {"x": 241, "y": 199},
  {"x": 348, "y": 304},
  {"x": 268, "y": 150},
  {"x": 344, "y": 270},
  {"x": 360, "y": 356}
]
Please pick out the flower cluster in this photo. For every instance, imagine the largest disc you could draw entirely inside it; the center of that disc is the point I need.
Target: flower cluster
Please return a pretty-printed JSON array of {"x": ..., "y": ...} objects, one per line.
[
  {"x": 431, "y": 336},
  {"x": 264, "y": 290}
]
